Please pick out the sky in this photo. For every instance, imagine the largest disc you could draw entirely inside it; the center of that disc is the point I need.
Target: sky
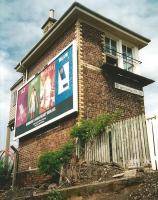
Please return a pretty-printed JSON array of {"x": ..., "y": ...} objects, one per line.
[{"x": 20, "y": 30}]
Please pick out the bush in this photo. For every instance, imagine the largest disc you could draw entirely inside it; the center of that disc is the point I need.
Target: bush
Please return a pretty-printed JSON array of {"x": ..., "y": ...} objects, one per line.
[
  {"x": 50, "y": 163},
  {"x": 5, "y": 174},
  {"x": 56, "y": 195}
]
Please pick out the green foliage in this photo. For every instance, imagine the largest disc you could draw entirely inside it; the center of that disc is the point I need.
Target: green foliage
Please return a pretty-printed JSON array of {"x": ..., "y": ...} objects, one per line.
[
  {"x": 50, "y": 162},
  {"x": 88, "y": 129},
  {"x": 66, "y": 152},
  {"x": 56, "y": 195},
  {"x": 5, "y": 174}
]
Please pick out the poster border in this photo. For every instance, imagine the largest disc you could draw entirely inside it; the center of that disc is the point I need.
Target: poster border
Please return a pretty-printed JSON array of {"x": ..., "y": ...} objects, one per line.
[{"x": 75, "y": 91}]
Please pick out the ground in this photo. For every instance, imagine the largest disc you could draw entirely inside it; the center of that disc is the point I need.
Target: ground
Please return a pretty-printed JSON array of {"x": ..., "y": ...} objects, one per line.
[{"x": 92, "y": 173}]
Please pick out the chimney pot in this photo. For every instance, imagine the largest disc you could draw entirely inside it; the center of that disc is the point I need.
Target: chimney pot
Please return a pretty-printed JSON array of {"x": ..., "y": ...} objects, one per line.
[
  {"x": 49, "y": 23},
  {"x": 51, "y": 13}
]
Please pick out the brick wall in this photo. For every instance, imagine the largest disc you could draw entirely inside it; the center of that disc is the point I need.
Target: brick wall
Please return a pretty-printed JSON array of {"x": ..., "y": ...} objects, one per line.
[
  {"x": 92, "y": 46},
  {"x": 33, "y": 145},
  {"x": 53, "y": 136},
  {"x": 105, "y": 98},
  {"x": 99, "y": 94}
]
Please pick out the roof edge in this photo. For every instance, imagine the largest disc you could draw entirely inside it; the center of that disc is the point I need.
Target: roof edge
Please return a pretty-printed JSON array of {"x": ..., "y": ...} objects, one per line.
[
  {"x": 80, "y": 6},
  {"x": 16, "y": 83}
]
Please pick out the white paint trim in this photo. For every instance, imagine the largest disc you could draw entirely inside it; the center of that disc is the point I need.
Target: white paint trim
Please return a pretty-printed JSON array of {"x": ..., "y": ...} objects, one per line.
[{"x": 129, "y": 89}]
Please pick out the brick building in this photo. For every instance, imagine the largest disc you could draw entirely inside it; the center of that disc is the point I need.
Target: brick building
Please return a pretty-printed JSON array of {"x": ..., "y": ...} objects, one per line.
[{"x": 108, "y": 75}]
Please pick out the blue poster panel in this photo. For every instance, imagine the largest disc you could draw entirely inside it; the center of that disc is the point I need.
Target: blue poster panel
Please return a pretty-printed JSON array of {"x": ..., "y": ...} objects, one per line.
[{"x": 49, "y": 96}]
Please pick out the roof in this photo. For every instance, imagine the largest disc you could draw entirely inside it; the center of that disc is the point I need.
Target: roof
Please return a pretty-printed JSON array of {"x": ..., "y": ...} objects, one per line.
[
  {"x": 116, "y": 71},
  {"x": 75, "y": 11},
  {"x": 16, "y": 83}
]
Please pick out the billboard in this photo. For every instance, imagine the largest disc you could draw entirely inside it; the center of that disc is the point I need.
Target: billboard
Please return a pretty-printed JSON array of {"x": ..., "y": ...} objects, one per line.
[{"x": 50, "y": 95}]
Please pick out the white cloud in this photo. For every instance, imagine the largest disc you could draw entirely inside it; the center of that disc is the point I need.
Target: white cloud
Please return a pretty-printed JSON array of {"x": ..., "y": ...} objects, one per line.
[{"x": 7, "y": 78}]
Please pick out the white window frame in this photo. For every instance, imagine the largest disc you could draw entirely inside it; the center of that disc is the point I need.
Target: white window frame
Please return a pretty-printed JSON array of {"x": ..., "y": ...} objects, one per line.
[
  {"x": 119, "y": 43},
  {"x": 110, "y": 39},
  {"x": 130, "y": 63}
]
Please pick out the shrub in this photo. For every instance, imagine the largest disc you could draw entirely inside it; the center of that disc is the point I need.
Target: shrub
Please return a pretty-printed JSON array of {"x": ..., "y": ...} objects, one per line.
[
  {"x": 56, "y": 195},
  {"x": 50, "y": 163},
  {"x": 5, "y": 174}
]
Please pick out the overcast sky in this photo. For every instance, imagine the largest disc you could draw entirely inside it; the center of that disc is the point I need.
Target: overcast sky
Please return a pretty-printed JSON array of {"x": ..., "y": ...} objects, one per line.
[{"x": 20, "y": 22}]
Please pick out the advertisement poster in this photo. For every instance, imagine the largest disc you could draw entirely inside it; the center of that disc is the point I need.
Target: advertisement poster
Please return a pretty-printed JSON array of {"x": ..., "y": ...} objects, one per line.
[{"x": 50, "y": 95}]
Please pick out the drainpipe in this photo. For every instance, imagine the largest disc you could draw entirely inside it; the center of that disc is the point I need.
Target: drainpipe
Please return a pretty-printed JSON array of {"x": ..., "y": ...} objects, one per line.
[{"x": 15, "y": 168}]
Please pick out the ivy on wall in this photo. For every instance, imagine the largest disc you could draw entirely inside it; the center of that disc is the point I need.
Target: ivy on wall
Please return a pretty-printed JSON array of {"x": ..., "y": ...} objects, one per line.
[{"x": 89, "y": 129}]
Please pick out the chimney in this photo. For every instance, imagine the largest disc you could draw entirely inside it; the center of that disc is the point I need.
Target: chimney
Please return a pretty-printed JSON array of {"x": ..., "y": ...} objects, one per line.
[{"x": 50, "y": 22}]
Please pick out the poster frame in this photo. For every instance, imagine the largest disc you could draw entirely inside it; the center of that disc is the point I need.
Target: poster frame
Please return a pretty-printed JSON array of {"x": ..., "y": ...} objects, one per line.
[{"x": 75, "y": 91}]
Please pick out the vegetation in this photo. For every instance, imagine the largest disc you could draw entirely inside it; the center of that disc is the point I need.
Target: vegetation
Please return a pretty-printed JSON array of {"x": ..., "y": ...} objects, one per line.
[
  {"x": 56, "y": 195},
  {"x": 50, "y": 162},
  {"x": 5, "y": 174},
  {"x": 88, "y": 129}
]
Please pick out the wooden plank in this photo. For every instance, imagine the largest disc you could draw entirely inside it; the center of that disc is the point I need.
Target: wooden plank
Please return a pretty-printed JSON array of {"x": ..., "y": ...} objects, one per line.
[
  {"x": 127, "y": 142},
  {"x": 101, "y": 149},
  {"x": 114, "y": 144},
  {"x": 116, "y": 136},
  {"x": 97, "y": 148},
  {"x": 132, "y": 140},
  {"x": 155, "y": 132},
  {"x": 136, "y": 141},
  {"x": 142, "y": 139},
  {"x": 122, "y": 144},
  {"x": 139, "y": 142},
  {"x": 117, "y": 127},
  {"x": 108, "y": 157},
  {"x": 145, "y": 139}
]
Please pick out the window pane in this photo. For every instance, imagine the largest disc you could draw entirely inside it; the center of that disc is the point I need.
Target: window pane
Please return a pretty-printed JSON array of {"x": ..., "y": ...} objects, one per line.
[
  {"x": 113, "y": 44},
  {"x": 110, "y": 46},
  {"x": 127, "y": 58},
  {"x": 129, "y": 52},
  {"x": 107, "y": 45},
  {"x": 107, "y": 41},
  {"x": 107, "y": 48},
  {"x": 123, "y": 49},
  {"x": 113, "y": 47}
]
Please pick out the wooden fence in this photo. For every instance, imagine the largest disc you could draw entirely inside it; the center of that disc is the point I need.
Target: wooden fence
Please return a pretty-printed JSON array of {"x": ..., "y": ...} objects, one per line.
[{"x": 125, "y": 142}]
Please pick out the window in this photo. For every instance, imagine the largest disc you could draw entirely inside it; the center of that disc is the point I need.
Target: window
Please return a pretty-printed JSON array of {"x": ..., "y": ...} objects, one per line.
[
  {"x": 127, "y": 58},
  {"x": 13, "y": 98},
  {"x": 110, "y": 46}
]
